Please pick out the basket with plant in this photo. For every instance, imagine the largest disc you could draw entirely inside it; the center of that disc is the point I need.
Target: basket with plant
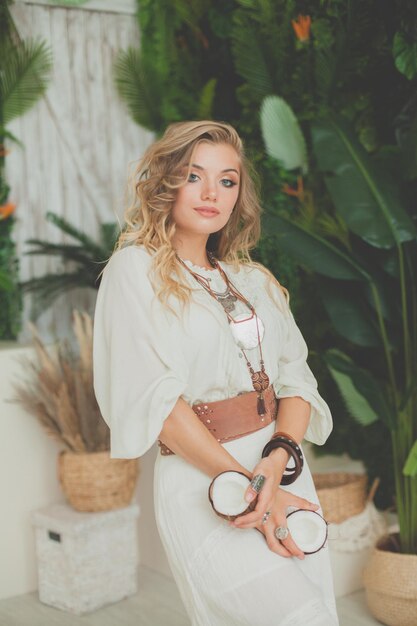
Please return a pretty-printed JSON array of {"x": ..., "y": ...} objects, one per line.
[{"x": 59, "y": 392}]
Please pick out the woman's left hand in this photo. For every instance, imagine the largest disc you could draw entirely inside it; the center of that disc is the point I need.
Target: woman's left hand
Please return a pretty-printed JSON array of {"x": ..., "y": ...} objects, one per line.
[
  {"x": 268, "y": 499},
  {"x": 267, "y": 468}
]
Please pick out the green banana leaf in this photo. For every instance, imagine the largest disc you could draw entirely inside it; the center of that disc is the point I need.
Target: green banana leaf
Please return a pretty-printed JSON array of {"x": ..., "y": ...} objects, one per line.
[
  {"x": 364, "y": 197},
  {"x": 410, "y": 467},
  {"x": 348, "y": 315},
  {"x": 363, "y": 395},
  {"x": 355, "y": 403},
  {"x": 282, "y": 134},
  {"x": 312, "y": 250},
  {"x": 405, "y": 55}
]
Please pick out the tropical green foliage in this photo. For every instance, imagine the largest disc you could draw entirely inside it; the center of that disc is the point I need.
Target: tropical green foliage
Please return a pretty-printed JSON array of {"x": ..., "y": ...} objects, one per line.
[
  {"x": 25, "y": 68},
  {"x": 183, "y": 69},
  {"x": 25, "y": 72},
  {"x": 10, "y": 294},
  {"x": 369, "y": 291},
  {"x": 82, "y": 261}
]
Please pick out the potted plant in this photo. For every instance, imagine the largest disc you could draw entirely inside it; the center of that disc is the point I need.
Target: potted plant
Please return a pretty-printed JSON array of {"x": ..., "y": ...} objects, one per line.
[
  {"x": 368, "y": 287},
  {"x": 59, "y": 393}
]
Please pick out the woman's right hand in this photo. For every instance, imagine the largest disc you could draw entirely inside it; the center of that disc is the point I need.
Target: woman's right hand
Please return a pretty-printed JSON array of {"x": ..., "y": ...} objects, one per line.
[{"x": 278, "y": 517}]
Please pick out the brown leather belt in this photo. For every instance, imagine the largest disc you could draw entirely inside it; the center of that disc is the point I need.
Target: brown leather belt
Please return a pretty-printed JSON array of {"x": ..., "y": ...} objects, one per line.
[{"x": 234, "y": 417}]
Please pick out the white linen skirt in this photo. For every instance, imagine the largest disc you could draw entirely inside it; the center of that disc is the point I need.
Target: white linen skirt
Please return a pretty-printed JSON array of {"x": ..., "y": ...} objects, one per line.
[{"x": 228, "y": 576}]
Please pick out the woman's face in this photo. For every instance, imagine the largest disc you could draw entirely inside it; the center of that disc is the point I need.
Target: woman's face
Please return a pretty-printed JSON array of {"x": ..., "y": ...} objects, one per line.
[{"x": 204, "y": 204}]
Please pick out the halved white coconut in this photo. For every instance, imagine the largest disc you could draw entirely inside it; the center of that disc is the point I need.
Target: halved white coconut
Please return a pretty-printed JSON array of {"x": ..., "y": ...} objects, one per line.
[
  {"x": 227, "y": 495},
  {"x": 308, "y": 530}
]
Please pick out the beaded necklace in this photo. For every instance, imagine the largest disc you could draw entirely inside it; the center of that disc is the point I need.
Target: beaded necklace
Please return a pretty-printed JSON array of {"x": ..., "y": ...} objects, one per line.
[{"x": 260, "y": 379}]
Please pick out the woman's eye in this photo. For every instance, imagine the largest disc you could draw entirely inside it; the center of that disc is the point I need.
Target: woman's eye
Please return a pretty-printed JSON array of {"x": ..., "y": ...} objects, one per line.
[
  {"x": 192, "y": 178},
  {"x": 228, "y": 183}
]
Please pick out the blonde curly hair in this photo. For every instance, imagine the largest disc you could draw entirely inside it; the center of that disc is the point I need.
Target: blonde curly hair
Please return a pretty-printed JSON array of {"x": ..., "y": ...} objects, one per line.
[{"x": 153, "y": 188}]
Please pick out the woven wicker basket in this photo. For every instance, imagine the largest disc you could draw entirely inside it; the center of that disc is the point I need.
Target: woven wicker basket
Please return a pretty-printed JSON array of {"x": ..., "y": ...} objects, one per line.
[
  {"x": 390, "y": 580},
  {"x": 341, "y": 495},
  {"x": 95, "y": 482}
]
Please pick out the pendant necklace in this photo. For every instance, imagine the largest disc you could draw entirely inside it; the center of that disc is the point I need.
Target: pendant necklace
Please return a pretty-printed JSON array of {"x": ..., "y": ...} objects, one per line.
[
  {"x": 226, "y": 299},
  {"x": 247, "y": 331}
]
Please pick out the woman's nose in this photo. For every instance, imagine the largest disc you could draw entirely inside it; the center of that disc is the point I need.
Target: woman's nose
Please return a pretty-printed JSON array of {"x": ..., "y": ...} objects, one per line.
[{"x": 209, "y": 192}]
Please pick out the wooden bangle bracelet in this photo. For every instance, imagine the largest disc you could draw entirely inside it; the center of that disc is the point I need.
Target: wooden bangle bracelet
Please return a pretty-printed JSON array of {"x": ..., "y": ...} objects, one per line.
[{"x": 292, "y": 448}]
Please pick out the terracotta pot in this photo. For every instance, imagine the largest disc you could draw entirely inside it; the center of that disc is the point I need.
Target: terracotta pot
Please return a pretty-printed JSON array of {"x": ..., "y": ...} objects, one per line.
[
  {"x": 390, "y": 580},
  {"x": 95, "y": 482}
]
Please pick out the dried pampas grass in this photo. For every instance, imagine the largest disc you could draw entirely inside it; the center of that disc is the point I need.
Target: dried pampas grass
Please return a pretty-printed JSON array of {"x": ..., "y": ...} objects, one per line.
[{"x": 59, "y": 390}]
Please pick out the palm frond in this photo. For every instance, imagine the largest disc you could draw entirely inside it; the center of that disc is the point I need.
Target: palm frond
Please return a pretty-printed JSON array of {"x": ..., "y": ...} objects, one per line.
[
  {"x": 46, "y": 289},
  {"x": 249, "y": 57},
  {"x": 6, "y": 134},
  {"x": 191, "y": 12},
  {"x": 109, "y": 234},
  {"x": 66, "y": 251},
  {"x": 26, "y": 69},
  {"x": 88, "y": 243},
  {"x": 52, "y": 284},
  {"x": 138, "y": 88}
]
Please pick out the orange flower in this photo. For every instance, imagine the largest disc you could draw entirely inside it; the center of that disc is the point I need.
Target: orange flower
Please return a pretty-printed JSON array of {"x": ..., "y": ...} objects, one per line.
[
  {"x": 6, "y": 210},
  {"x": 297, "y": 193},
  {"x": 301, "y": 27}
]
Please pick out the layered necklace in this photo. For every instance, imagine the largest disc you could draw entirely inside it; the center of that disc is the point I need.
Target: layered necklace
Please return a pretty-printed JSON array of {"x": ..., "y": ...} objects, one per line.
[{"x": 247, "y": 330}]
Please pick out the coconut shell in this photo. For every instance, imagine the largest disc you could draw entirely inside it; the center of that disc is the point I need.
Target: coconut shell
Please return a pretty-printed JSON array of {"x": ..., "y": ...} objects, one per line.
[
  {"x": 251, "y": 506},
  {"x": 326, "y": 534}
]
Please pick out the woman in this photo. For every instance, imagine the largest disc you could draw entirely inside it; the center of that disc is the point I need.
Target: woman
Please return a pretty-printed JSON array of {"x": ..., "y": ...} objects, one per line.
[{"x": 173, "y": 303}]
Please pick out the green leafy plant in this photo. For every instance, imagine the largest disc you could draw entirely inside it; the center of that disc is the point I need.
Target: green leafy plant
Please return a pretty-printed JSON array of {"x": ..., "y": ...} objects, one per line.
[
  {"x": 181, "y": 69},
  {"x": 25, "y": 68},
  {"x": 86, "y": 259},
  {"x": 368, "y": 289}
]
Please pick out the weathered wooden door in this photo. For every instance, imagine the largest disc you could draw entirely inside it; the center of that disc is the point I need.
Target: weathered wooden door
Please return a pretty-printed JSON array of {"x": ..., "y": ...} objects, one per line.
[{"x": 78, "y": 141}]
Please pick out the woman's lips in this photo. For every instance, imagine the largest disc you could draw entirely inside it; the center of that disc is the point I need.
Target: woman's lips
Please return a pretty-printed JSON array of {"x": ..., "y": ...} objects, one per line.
[{"x": 207, "y": 212}]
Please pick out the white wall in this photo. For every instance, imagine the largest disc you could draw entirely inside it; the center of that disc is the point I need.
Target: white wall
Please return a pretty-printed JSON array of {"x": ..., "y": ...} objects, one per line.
[{"x": 28, "y": 481}]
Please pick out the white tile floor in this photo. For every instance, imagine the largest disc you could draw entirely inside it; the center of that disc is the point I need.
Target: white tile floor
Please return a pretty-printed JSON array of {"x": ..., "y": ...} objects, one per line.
[{"x": 156, "y": 604}]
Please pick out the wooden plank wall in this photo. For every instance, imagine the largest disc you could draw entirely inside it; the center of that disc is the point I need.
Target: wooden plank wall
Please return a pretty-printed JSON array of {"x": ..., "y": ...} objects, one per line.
[{"x": 78, "y": 141}]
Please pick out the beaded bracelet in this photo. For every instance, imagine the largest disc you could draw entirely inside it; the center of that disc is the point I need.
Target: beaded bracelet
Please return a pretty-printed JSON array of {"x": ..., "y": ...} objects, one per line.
[{"x": 282, "y": 440}]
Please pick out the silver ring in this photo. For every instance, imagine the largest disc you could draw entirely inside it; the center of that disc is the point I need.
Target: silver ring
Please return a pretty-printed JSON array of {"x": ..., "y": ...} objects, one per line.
[
  {"x": 281, "y": 533},
  {"x": 257, "y": 482},
  {"x": 265, "y": 517}
]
